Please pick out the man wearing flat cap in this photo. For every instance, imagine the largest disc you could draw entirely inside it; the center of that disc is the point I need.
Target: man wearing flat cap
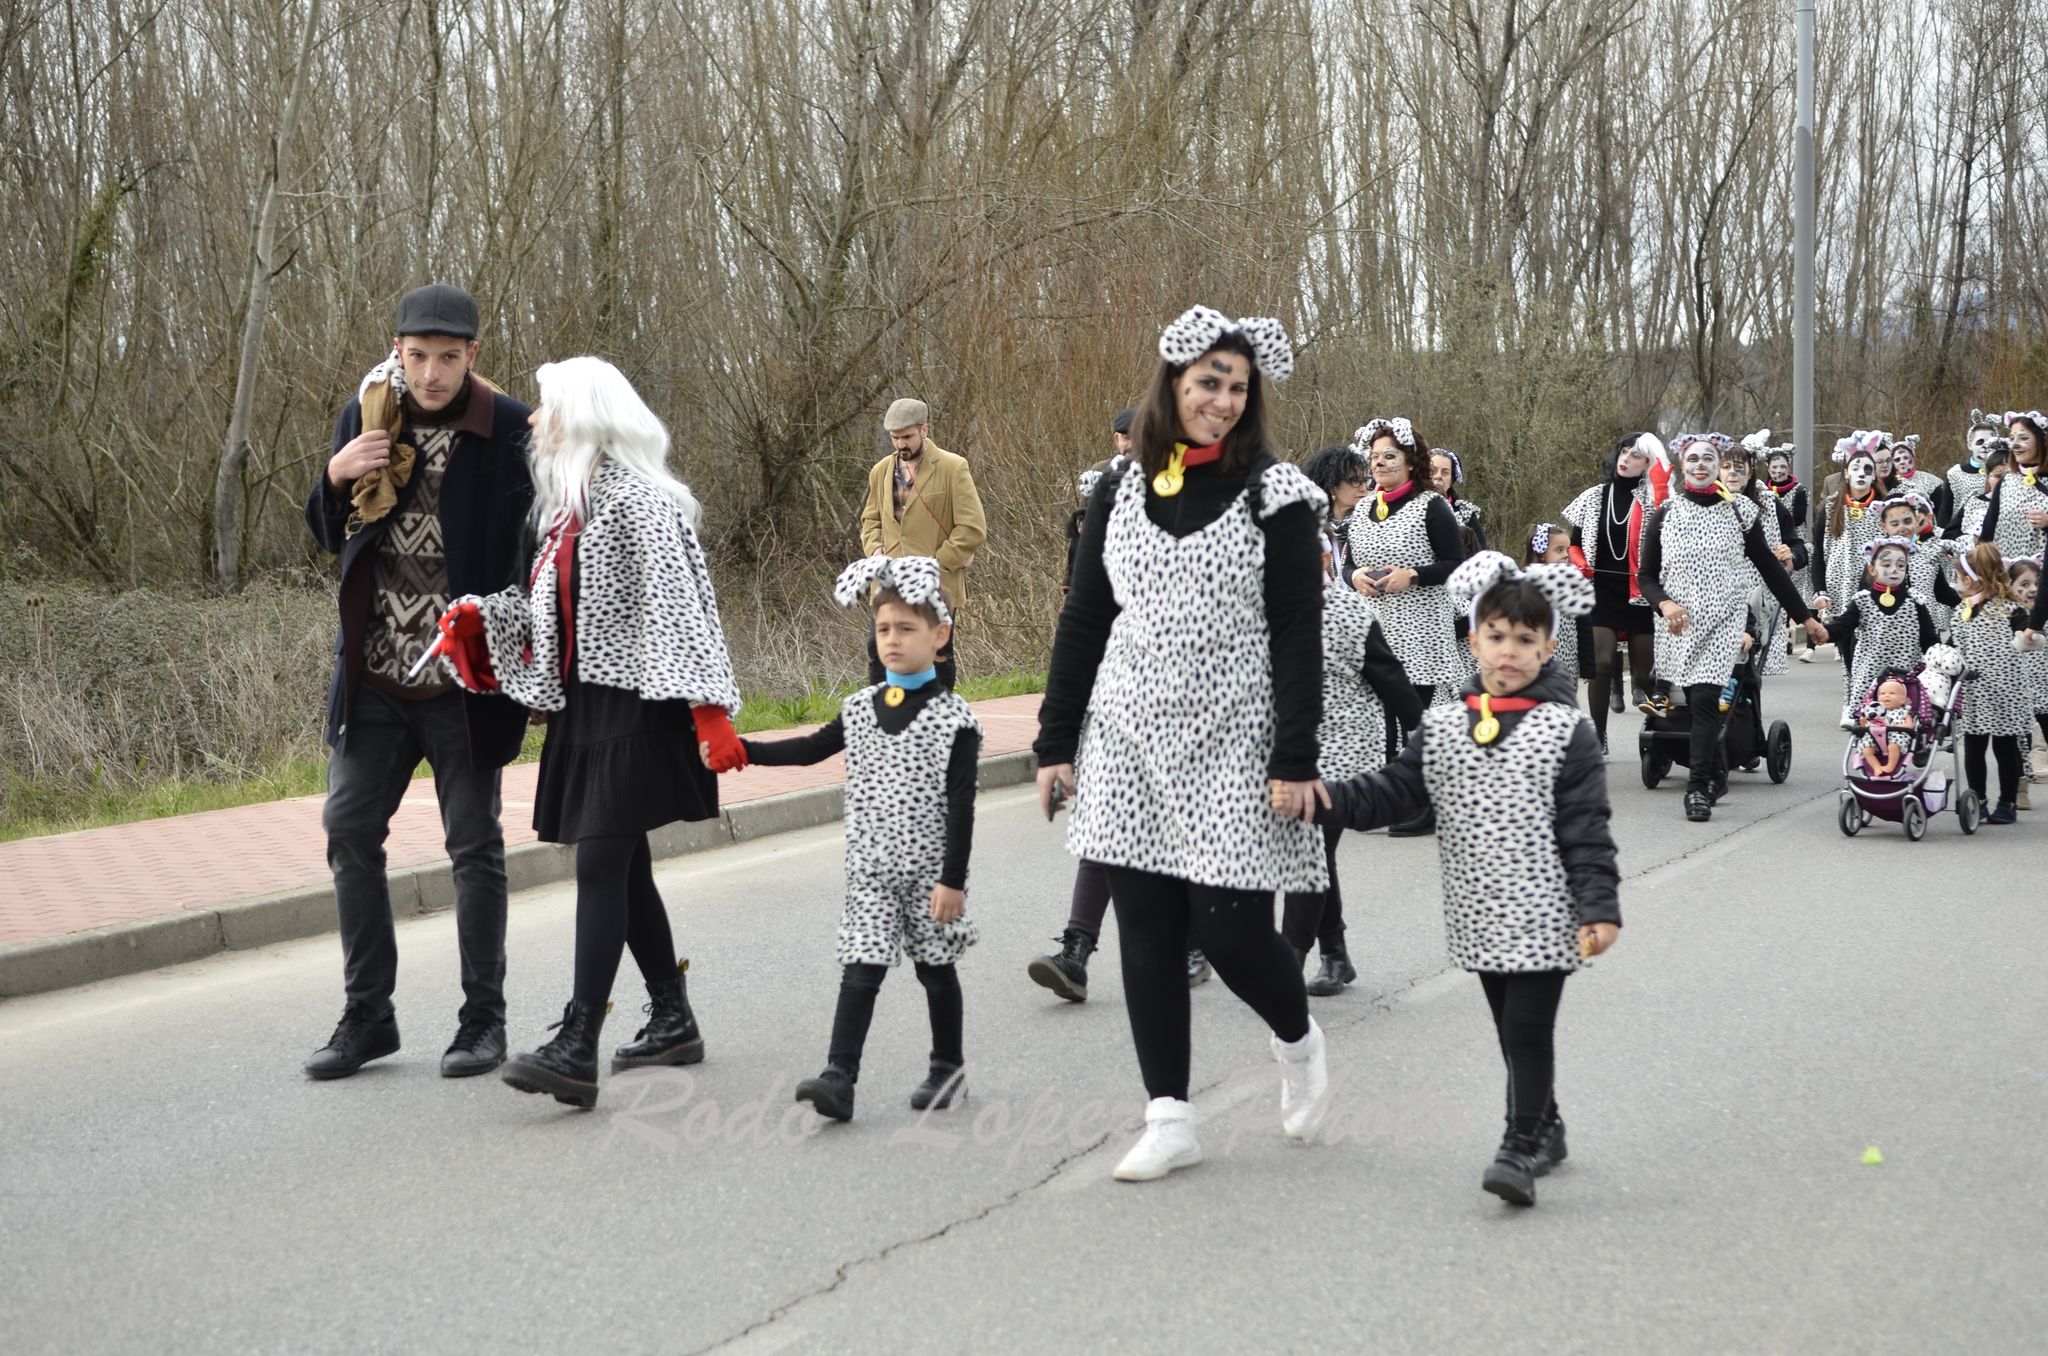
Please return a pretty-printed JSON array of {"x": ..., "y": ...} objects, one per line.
[
  {"x": 922, "y": 502},
  {"x": 424, "y": 496}
]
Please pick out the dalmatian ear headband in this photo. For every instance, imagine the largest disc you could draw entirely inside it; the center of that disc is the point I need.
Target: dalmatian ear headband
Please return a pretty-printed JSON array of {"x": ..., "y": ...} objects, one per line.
[
  {"x": 1876, "y": 544},
  {"x": 1457, "y": 464},
  {"x": 1570, "y": 593},
  {"x": 1539, "y": 539},
  {"x": 1402, "y": 432},
  {"x": 1720, "y": 442},
  {"x": 2034, "y": 417},
  {"x": 915, "y": 580},
  {"x": 1911, "y": 499},
  {"x": 1758, "y": 444},
  {"x": 1864, "y": 442},
  {"x": 1979, "y": 419},
  {"x": 1198, "y": 329}
]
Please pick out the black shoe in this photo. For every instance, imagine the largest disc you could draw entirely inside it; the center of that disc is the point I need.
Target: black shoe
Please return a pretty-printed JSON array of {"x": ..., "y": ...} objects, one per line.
[
  {"x": 566, "y": 1067},
  {"x": 1551, "y": 1150},
  {"x": 830, "y": 1094},
  {"x": 1645, "y": 703},
  {"x": 670, "y": 1036},
  {"x": 1198, "y": 968},
  {"x": 943, "y": 1086},
  {"x": 2002, "y": 813},
  {"x": 478, "y": 1048},
  {"x": 1422, "y": 826},
  {"x": 1512, "y": 1175},
  {"x": 1699, "y": 806},
  {"x": 1065, "y": 972},
  {"x": 1717, "y": 792},
  {"x": 1615, "y": 702},
  {"x": 356, "y": 1041},
  {"x": 1337, "y": 971}
]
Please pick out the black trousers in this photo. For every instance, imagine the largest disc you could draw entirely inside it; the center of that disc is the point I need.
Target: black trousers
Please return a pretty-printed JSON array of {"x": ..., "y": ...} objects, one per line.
[
  {"x": 859, "y": 986},
  {"x": 1703, "y": 702},
  {"x": 617, "y": 907},
  {"x": 387, "y": 738},
  {"x": 2006, "y": 749},
  {"x": 1154, "y": 915},
  {"x": 1091, "y": 902},
  {"x": 1317, "y": 917},
  {"x": 1525, "y": 1021}
]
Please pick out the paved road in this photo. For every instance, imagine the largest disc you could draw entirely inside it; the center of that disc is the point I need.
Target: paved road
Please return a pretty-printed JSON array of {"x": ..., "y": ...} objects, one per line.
[{"x": 1782, "y": 999}]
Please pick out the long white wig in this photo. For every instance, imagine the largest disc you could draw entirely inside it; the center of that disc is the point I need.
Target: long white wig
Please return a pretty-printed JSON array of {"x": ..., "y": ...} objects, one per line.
[{"x": 588, "y": 410}]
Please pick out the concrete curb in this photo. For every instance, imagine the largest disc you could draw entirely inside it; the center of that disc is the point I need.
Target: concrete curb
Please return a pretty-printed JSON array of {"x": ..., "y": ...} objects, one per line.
[{"x": 127, "y": 948}]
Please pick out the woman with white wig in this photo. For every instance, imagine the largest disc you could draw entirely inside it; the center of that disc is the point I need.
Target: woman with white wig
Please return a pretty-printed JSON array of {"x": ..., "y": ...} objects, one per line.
[{"x": 616, "y": 636}]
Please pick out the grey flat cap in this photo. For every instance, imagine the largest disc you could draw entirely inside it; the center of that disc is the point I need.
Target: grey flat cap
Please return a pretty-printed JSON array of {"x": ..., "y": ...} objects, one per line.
[
  {"x": 438, "y": 308},
  {"x": 906, "y": 413}
]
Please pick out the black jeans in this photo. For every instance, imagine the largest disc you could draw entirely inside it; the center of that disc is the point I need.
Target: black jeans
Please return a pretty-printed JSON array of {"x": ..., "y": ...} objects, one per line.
[
  {"x": 1154, "y": 914},
  {"x": 386, "y": 740},
  {"x": 1525, "y": 1021},
  {"x": 1703, "y": 701},
  {"x": 859, "y": 985},
  {"x": 1309, "y": 917}
]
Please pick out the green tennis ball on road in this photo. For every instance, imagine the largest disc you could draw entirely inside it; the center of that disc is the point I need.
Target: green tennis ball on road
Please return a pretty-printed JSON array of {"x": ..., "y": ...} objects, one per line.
[{"x": 1871, "y": 1157}]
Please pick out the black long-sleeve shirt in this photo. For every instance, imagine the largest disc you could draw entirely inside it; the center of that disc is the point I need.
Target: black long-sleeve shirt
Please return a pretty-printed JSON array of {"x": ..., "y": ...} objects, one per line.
[
  {"x": 1294, "y": 612},
  {"x": 1446, "y": 537},
  {"x": 1755, "y": 546},
  {"x": 961, "y": 768}
]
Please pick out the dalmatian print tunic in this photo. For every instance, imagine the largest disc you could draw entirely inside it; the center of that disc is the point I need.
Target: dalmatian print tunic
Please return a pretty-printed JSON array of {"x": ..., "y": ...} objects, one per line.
[
  {"x": 1507, "y": 906},
  {"x": 1964, "y": 484},
  {"x": 1931, "y": 564},
  {"x": 1770, "y": 616},
  {"x": 1920, "y": 482},
  {"x": 1172, "y": 762},
  {"x": 1703, "y": 572},
  {"x": 1997, "y": 701},
  {"x": 2016, "y": 537},
  {"x": 1886, "y": 638},
  {"x": 2034, "y": 667},
  {"x": 1845, "y": 570},
  {"x": 1353, "y": 735},
  {"x": 1420, "y": 623},
  {"x": 646, "y": 617},
  {"x": 896, "y": 834}
]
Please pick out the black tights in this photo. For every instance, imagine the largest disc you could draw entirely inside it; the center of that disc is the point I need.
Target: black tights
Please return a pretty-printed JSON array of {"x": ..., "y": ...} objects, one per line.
[
  {"x": 1235, "y": 927},
  {"x": 1317, "y": 917},
  {"x": 858, "y": 988},
  {"x": 1703, "y": 701},
  {"x": 1525, "y": 1018},
  {"x": 2006, "y": 748},
  {"x": 617, "y": 907},
  {"x": 1641, "y": 650}
]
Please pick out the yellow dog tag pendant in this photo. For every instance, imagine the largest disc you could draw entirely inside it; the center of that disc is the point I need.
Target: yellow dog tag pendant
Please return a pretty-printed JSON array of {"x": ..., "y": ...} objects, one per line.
[
  {"x": 893, "y": 697},
  {"x": 1886, "y": 598},
  {"x": 1168, "y": 482},
  {"x": 1379, "y": 510},
  {"x": 1487, "y": 729}
]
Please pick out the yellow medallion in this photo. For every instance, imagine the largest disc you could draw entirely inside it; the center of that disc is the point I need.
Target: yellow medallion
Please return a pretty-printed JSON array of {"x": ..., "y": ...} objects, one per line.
[
  {"x": 1855, "y": 512},
  {"x": 2031, "y": 477},
  {"x": 1487, "y": 729},
  {"x": 1168, "y": 482},
  {"x": 1379, "y": 509},
  {"x": 894, "y": 696},
  {"x": 1886, "y": 598},
  {"x": 1965, "y": 611}
]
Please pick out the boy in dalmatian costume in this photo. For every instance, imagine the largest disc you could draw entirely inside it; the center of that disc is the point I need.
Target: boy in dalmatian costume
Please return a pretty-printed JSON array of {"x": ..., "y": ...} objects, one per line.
[
  {"x": 1965, "y": 480},
  {"x": 1692, "y": 548},
  {"x": 1531, "y": 890},
  {"x": 912, "y": 747}
]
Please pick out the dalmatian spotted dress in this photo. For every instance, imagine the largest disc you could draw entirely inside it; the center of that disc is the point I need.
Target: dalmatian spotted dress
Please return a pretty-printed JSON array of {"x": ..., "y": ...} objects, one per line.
[
  {"x": 1420, "y": 624},
  {"x": 1845, "y": 557},
  {"x": 896, "y": 833},
  {"x": 1172, "y": 764},
  {"x": 1964, "y": 484},
  {"x": 1996, "y": 702},
  {"x": 1929, "y": 566},
  {"x": 2016, "y": 537},
  {"x": 1770, "y": 627},
  {"x": 1886, "y": 638},
  {"x": 1353, "y": 735},
  {"x": 1703, "y": 572},
  {"x": 1508, "y": 904}
]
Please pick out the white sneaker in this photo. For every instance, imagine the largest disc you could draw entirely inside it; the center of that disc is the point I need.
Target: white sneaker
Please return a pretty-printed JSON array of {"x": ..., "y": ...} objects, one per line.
[
  {"x": 1168, "y": 1142},
  {"x": 2037, "y": 762},
  {"x": 1304, "y": 1082},
  {"x": 1848, "y": 717}
]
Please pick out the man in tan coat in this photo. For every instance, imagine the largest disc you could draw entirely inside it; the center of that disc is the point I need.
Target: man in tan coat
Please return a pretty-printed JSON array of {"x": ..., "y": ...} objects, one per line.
[{"x": 922, "y": 502}]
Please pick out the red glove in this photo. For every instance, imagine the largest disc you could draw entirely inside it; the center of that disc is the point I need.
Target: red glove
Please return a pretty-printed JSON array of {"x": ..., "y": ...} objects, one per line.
[
  {"x": 1579, "y": 559},
  {"x": 724, "y": 753},
  {"x": 462, "y": 640}
]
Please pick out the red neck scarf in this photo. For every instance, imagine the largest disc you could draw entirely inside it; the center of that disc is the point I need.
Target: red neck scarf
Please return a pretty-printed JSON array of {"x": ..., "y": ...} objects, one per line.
[
  {"x": 1503, "y": 705},
  {"x": 1202, "y": 456}
]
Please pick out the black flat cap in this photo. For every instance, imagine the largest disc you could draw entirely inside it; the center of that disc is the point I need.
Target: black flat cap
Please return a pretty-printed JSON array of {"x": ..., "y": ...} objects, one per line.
[
  {"x": 1123, "y": 420},
  {"x": 438, "y": 308}
]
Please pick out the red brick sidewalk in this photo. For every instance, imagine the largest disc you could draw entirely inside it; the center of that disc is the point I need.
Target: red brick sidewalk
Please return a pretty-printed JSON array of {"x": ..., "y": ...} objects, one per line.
[{"x": 74, "y": 881}]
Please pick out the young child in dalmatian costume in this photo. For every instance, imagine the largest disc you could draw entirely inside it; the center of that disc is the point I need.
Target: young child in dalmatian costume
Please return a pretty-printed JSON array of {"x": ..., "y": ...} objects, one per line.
[
  {"x": 1886, "y": 625},
  {"x": 2026, "y": 582},
  {"x": 1693, "y": 547},
  {"x": 912, "y": 749},
  {"x": 1848, "y": 524},
  {"x": 1739, "y": 475},
  {"x": 1551, "y": 544},
  {"x": 1965, "y": 480},
  {"x": 1988, "y": 632},
  {"x": 1531, "y": 889}
]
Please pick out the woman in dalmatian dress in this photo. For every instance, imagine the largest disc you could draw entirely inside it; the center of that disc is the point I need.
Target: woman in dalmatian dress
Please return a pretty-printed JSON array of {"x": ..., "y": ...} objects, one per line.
[
  {"x": 1364, "y": 687},
  {"x": 1607, "y": 531},
  {"x": 2023, "y": 494},
  {"x": 1405, "y": 541},
  {"x": 912, "y": 750},
  {"x": 1849, "y": 523},
  {"x": 1996, "y": 704},
  {"x": 1446, "y": 474},
  {"x": 617, "y": 638},
  {"x": 1891, "y": 622},
  {"x": 1531, "y": 889},
  {"x": 1192, "y": 645},
  {"x": 1965, "y": 480},
  {"x": 2026, "y": 584},
  {"x": 1693, "y": 547},
  {"x": 1738, "y": 474}
]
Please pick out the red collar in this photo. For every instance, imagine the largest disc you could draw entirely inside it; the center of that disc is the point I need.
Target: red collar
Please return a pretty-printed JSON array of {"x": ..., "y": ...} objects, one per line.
[
  {"x": 1202, "y": 456},
  {"x": 1392, "y": 497},
  {"x": 1503, "y": 705},
  {"x": 1864, "y": 502}
]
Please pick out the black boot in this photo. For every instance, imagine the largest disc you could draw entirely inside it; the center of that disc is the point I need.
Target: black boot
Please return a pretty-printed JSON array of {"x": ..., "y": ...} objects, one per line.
[
  {"x": 1065, "y": 972},
  {"x": 357, "y": 1040},
  {"x": 943, "y": 1086},
  {"x": 566, "y": 1067},
  {"x": 1337, "y": 971},
  {"x": 670, "y": 1036},
  {"x": 1551, "y": 1149},
  {"x": 1699, "y": 806},
  {"x": 478, "y": 1048},
  {"x": 830, "y": 1093},
  {"x": 1512, "y": 1175}
]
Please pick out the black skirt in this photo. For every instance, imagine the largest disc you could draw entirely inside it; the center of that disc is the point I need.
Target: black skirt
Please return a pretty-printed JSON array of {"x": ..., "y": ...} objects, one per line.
[{"x": 616, "y": 764}]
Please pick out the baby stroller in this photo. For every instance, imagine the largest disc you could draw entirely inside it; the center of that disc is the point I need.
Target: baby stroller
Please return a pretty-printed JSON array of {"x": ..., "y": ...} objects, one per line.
[
  {"x": 1929, "y": 775},
  {"x": 1666, "y": 738}
]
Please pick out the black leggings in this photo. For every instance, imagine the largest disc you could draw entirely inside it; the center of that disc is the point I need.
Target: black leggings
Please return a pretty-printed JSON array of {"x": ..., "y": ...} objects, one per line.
[
  {"x": 617, "y": 907},
  {"x": 858, "y": 988},
  {"x": 1703, "y": 701},
  {"x": 1091, "y": 899},
  {"x": 1525, "y": 1019},
  {"x": 1235, "y": 927},
  {"x": 2005, "y": 748},
  {"x": 1317, "y": 917},
  {"x": 1641, "y": 650}
]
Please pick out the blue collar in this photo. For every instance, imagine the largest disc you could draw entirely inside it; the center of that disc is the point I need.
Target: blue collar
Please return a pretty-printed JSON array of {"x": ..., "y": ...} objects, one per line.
[{"x": 911, "y": 681}]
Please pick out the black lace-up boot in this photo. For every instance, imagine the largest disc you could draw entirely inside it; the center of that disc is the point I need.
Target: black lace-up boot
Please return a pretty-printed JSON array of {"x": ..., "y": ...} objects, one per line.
[
  {"x": 671, "y": 1035},
  {"x": 566, "y": 1067},
  {"x": 1065, "y": 972}
]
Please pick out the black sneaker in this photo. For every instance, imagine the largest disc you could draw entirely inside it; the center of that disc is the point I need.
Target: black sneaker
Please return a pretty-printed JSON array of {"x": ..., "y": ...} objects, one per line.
[
  {"x": 830, "y": 1094},
  {"x": 2002, "y": 813},
  {"x": 943, "y": 1086},
  {"x": 1065, "y": 972},
  {"x": 1336, "y": 972},
  {"x": 478, "y": 1048},
  {"x": 1512, "y": 1175},
  {"x": 1551, "y": 1150},
  {"x": 1699, "y": 807},
  {"x": 1198, "y": 968},
  {"x": 357, "y": 1040},
  {"x": 1615, "y": 702}
]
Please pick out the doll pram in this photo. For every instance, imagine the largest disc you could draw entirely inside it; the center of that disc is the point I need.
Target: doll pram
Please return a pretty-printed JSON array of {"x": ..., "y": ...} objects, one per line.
[
  {"x": 1929, "y": 778},
  {"x": 1666, "y": 738}
]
